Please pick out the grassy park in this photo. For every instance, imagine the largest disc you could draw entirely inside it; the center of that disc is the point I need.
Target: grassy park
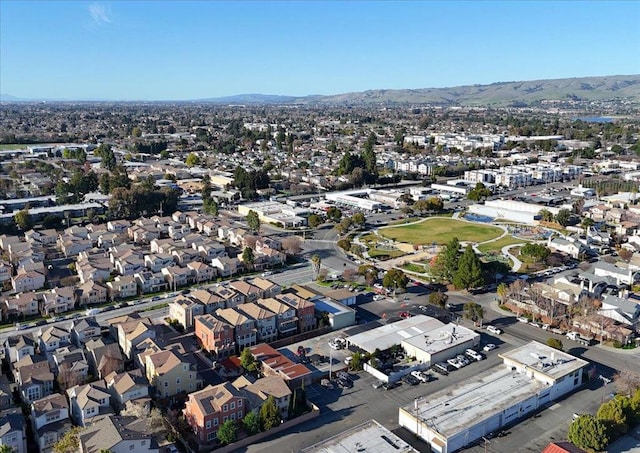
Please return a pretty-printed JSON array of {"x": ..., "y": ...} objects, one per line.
[
  {"x": 496, "y": 246},
  {"x": 441, "y": 230}
]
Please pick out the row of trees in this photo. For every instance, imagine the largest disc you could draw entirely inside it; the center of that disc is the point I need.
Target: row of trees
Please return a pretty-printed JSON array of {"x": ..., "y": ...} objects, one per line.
[
  {"x": 140, "y": 200},
  {"x": 248, "y": 182},
  {"x": 563, "y": 217}
]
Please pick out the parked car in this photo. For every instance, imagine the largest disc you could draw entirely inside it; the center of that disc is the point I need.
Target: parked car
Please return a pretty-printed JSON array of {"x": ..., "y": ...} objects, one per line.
[
  {"x": 404, "y": 314},
  {"x": 441, "y": 368},
  {"x": 344, "y": 383},
  {"x": 535, "y": 324},
  {"x": 411, "y": 380},
  {"x": 489, "y": 347},
  {"x": 454, "y": 362},
  {"x": 523, "y": 319},
  {"x": 343, "y": 375},
  {"x": 422, "y": 377},
  {"x": 473, "y": 355},
  {"x": 390, "y": 385},
  {"x": 494, "y": 330}
]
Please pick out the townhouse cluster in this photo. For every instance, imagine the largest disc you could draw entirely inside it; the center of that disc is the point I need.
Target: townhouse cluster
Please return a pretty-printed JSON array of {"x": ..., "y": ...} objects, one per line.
[{"x": 122, "y": 259}]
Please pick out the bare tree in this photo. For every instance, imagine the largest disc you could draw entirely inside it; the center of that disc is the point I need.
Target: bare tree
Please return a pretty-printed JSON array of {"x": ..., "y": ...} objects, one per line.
[
  {"x": 250, "y": 241},
  {"x": 291, "y": 245},
  {"x": 67, "y": 377},
  {"x": 627, "y": 382},
  {"x": 349, "y": 275}
]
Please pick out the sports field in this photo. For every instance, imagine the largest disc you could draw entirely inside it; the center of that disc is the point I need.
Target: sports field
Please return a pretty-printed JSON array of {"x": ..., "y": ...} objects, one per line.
[{"x": 441, "y": 230}]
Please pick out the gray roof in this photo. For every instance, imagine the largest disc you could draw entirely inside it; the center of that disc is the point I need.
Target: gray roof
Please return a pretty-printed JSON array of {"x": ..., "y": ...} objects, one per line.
[
  {"x": 11, "y": 420},
  {"x": 107, "y": 432}
]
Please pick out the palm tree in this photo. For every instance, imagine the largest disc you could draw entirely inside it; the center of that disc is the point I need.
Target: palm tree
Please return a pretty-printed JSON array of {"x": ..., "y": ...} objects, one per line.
[
  {"x": 315, "y": 263},
  {"x": 474, "y": 312}
]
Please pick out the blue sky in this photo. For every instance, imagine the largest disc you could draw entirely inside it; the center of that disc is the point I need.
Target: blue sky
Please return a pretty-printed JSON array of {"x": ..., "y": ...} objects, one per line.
[{"x": 191, "y": 50}]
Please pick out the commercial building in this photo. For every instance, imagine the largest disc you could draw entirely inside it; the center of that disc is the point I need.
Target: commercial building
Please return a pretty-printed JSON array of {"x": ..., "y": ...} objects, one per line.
[
  {"x": 355, "y": 198},
  {"x": 276, "y": 213},
  {"x": 422, "y": 337},
  {"x": 340, "y": 316},
  {"x": 369, "y": 436},
  {"x": 532, "y": 376}
]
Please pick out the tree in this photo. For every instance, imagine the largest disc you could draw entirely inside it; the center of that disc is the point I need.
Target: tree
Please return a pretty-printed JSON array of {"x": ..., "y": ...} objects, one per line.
[
  {"x": 625, "y": 255},
  {"x": 210, "y": 207},
  {"x": 469, "y": 272},
  {"x": 247, "y": 360},
  {"x": 344, "y": 244},
  {"x": 446, "y": 262},
  {"x": 253, "y": 221},
  {"x": 479, "y": 192},
  {"x": 587, "y": 222},
  {"x": 136, "y": 132},
  {"x": 627, "y": 382},
  {"x": 344, "y": 225},
  {"x": 192, "y": 160},
  {"x": 316, "y": 262},
  {"x": 357, "y": 361},
  {"x": 248, "y": 257},
  {"x": 588, "y": 433},
  {"x": 537, "y": 252},
  {"x": 269, "y": 414},
  {"x": 395, "y": 279},
  {"x": 473, "y": 311},
  {"x": 334, "y": 214},
  {"x": 555, "y": 343},
  {"x": 438, "y": 298},
  {"x": 613, "y": 415},
  {"x": 314, "y": 220},
  {"x": 105, "y": 153},
  {"x": 291, "y": 245},
  {"x": 23, "y": 219},
  {"x": 359, "y": 219},
  {"x": 251, "y": 423},
  {"x": 563, "y": 217},
  {"x": 68, "y": 443},
  {"x": 6, "y": 449},
  {"x": 545, "y": 215},
  {"x": 503, "y": 292},
  {"x": 227, "y": 432}
]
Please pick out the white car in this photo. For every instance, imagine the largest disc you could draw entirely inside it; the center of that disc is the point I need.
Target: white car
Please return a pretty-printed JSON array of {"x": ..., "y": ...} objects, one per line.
[
  {"x": 523, "y": 319},
  {"x": 535, "y": 324},
  {"x": 419, "y": 375},
  {"x": 455, "y": 363},
  {"x": 489, "y": 347},
  {"x": 494, "y": 330},
  {"x": 337, "y": 343}
]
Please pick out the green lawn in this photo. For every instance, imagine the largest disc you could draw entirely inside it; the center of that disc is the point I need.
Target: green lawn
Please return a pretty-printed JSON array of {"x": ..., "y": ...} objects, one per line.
[
  {"x": 378, "y": 253},
  {"x": 4, "y": 146},
  {"x": 496, "y": 246},
  {"x": 441, "y": 230}
]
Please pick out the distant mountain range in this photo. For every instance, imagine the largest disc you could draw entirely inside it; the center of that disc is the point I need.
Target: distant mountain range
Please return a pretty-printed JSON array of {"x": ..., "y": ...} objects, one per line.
[{"x": 624, "y": 87}]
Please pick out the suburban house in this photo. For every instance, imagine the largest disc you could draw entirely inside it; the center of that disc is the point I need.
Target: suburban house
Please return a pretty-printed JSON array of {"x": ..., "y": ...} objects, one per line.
[
  {"x": 127, "y": 386},
  {"x": 72, "y": 367},
  {"x": 287, "y": 319},
  {"x": 13, "y": 432},
  {"x": 215, "y": 335},
  {"x": 104, "y": 358},
  {"x": 245, "y": 330},
  {"x": 89, "y": 401},
  {"x": 91, "y": 293},
  {"x": 84, "y": 330},
  {"x": 207, "y": 409},
  {"x": 257, "y": 392},
  {"x": 177, "y": 276},
  {"x": 231, "y": 298},
  {"x": 305, "y": 310},
  {"x": 118, "y": 434},
  {"x": 27, "y": 281},
  {"x": 122, "y": 287},
  {"x": 249, "y": 292},
  {"x": 202, "y": 272},
  {"x": 621, "y": 275},
  {"x": 265, "y": 321},
  {"x": 133, "y": 332},
  {"x": 21, "y": 305},
  {"x": 34, "y": 378},
  {"x": 184, "y": 310},
  {"x": 157, "y": 262},
  {"x": 50, "y": 420},
  {"x": 58, "y": 300},
  {"x": 19, "y": 346},
  {"x": 226, "y": 267},
  {"x": 211, "y": 301},
  {"x": 149, "y": 282},
  {"x": 267, "y": 287},
  {"x": 572, "y": 248},
  {"x": 170, "y": 374}
]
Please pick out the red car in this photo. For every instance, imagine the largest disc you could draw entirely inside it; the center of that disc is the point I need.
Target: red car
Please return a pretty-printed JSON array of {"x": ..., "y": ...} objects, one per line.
[{"x": 404, "y": 314}]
